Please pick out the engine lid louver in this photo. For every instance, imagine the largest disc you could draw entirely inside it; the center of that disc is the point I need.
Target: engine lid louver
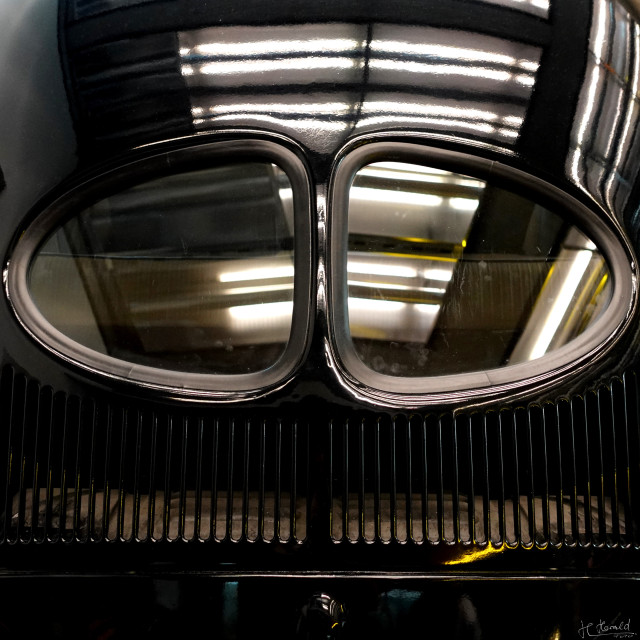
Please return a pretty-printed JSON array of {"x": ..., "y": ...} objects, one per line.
[
  {"x": 85, "y": 471},
  {"x": 556, "y": 475},
  {"x": 548, "y": 475}
]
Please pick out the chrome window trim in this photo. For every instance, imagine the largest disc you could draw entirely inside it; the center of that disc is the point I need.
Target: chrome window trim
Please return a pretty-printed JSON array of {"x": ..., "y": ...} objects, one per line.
[
  {"x": 207, "y": 386},
  {"x": 594, "y": 343}
]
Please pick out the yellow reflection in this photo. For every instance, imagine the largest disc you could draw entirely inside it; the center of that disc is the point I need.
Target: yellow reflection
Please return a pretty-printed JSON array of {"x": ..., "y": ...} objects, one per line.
[{"x": 474, "y": 554}]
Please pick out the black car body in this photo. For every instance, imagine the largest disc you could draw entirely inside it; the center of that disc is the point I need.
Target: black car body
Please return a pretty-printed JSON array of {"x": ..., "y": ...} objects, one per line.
[{"x": 221, "y": 405}]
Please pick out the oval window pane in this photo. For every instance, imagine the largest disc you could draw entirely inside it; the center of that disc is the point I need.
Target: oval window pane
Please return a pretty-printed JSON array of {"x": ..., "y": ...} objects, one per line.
[
  {"x": 449, "y": 274},
  {"x": 191, "y": 272}
]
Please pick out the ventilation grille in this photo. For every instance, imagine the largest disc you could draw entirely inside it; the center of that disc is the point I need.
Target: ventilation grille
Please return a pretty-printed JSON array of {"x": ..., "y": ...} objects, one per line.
[
  {"x": 551, "y": 475},
  {"x": 556, "y": 474},
  {"x": 80, "y": 470}
]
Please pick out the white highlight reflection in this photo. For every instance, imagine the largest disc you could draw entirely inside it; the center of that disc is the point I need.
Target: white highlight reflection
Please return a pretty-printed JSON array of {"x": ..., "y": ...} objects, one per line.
[
  {"x": 382, "y": 269},
  {"x": 452, "y": 53},
  {"x": 270, "y": 47},
  {"x": 260, "y": 66},
  {"x": 397, "y": 197},
  {"x": 257, "y": 274},
  {"x": 326, "y": 108},
  {"x": 261, "y": 311},
  {"x": 396, "y": 287},
  {"x": 438, "y": 274},
  {"x": 561, "y": 303},
  {"x": 464, "y": 204}
]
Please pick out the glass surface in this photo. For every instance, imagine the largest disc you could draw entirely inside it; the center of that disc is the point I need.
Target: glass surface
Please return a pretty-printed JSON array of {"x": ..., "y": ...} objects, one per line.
[
  {"x": 192, "y": 272},
  {"x": 449, "y": 274}
]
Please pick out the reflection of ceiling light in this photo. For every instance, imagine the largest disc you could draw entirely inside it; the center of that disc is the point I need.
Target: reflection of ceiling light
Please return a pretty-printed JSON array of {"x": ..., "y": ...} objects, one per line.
[
  {"x": 260, "y": 66},
  {"x": 300, "y": 109},
  {"x": 395, "y": 287},
  {"x": 412, "y": 168},
  {"x": 444, "y": 110},
  {"x": 429, "y": 309},
  {"x": 464, "y": 204},
  {"x": 268, "y": 46},
  {"x": 543, "y": 4},
  {"x": 441, "y": 69},
  {"x": 410, "y": 173},
  {"x": 314, "y": 125},
  {"x": 561, "y": 303},
  {"x": 264, "y": 273},
  {"x": 260, "y": 289},
  {"x": 382, "y": 269},
  {"x": 260, "y": 311},
  {"x": 437, "y": 122},
  {"x": 395, "y": 197},
  {"x": 438, "y": 274},
  {"x": 440, "y": 51},
  {"x": 527, "y": 81}
]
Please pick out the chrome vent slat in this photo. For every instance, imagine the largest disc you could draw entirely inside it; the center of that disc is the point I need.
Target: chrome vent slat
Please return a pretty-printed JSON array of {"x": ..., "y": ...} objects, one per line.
[
  {"x": 79, "y": 470},
  {"x": 85, "y": 470},
  {"x": 550, "y": 475}
]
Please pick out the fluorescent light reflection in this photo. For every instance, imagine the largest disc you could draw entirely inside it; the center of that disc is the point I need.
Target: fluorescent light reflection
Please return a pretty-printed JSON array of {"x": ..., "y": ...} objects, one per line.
[
  {"x": 436, "y": 122},
  {"x": 260, "y": 66},
  {"x": 303, "y": 108},
  {"x": 395, "y": 197},
  {"x": 410, "y": 168},
  {"x": 259, "y": 289},
  {"x": 404, "y": 66},
  {"x": 442, "y": 110},
  {"x": 316, "y": 126},
  {"x": 417, "y": 173},
  {"x": 452, "y": 53},
  {"x": 261, "y": 311},
  {"x": 270, "y": 47},
  {"x": 429, "y": 309},
  {"x": 561, "y": 303},
  {"x": 442, "y": 275},
  {"x": 382, "y": 269},
  {"x": 257, "y": 274},
  {"x": 464, "y": 204},
  {"x": 395, "y": 287}
]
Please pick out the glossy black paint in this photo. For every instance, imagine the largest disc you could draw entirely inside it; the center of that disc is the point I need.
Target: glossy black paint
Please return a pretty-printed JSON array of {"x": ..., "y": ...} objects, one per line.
[
  {"x": 474, "y": 77},
  {"x": 551, "y": 92},
  {"x": 166, "y": 606}
]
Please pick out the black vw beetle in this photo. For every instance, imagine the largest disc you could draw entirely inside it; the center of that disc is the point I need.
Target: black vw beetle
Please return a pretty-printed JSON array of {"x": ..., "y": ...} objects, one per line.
[{"x": 319, "y": 319}]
